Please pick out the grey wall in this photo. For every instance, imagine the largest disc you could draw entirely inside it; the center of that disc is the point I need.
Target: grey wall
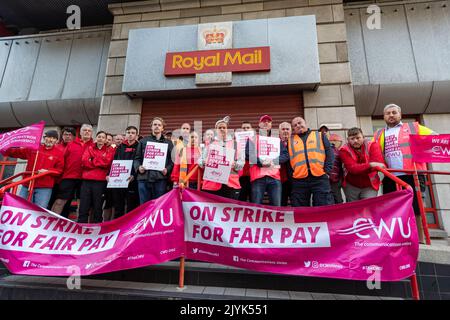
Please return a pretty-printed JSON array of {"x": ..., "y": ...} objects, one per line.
[
  {"x": 57, "y": 78},
  {"x": 407, "y": 61},
  {"x": 292, "y": 41}
]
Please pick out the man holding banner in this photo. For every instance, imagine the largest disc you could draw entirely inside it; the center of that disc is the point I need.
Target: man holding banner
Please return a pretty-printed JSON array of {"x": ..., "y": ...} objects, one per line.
[
  {"x": 153, "y": 162},
  {"x": 46, "y": 158},
  {"x": 360, "y": 157},
  {"x": 394, "y": 141},
  {"x": 71, "y": 177},
  {"x": 311, "y": 159}
]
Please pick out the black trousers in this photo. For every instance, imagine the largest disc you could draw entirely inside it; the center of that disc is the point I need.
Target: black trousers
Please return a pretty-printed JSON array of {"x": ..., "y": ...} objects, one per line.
[
  {"x": 390, "y": 186},
  {"x": 286, "y": 189},
  {"x": 124, "y": 200},
  {"x": 226, "y": 192},
  {"x": 318, "y": 187},
  {"x": 91, "y": 197},
  {"x": 246, "y": 188}
]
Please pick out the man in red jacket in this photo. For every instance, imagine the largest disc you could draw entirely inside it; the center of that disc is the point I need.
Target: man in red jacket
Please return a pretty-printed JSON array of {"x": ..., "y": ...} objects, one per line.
[
  {"x": 359, "y": 157},
  {"x": 68, "y": 134},
  {"x": 49, "y": 158},
  {"x": 71, "y": 177}
]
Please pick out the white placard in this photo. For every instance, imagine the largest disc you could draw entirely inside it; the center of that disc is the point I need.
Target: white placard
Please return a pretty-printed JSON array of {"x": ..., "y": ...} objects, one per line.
[
  {"x": 218, "y": 164},
  {"x": 119, "y": 173},
  {"x": 242, "y": 137},
  {"x": 155, "y": 156},
  {"x": 268, "y": 148}
]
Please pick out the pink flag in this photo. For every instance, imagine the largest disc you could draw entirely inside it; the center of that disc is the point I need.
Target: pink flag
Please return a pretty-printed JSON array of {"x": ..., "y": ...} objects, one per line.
[
  {"x": 27, "y": 137},
  {"x": 430, "y": 149},
  {"x": 370, "y": 238},
  {"x": 35, "y": 241}
]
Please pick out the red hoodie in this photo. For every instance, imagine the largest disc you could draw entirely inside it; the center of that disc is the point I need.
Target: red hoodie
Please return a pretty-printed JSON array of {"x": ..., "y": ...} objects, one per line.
[
  {"x": 49, "y": 159},
  {"x": 72, "y": 158},
  {"x": 357, "y": 168},
  {"x": 97, "y": 162}
]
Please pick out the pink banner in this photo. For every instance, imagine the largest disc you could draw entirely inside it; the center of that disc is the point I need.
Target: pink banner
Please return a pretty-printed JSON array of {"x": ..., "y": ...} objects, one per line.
[
  {"x": 27, "y": 137},
  {"x": 35, "y": 241},
  {"x": 430, "y": 149},
  {"x": 373, "y": 237}
]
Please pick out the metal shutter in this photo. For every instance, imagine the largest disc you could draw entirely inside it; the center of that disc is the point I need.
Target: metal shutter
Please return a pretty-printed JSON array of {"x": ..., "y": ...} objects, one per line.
[{"x": 240, "y": 108}]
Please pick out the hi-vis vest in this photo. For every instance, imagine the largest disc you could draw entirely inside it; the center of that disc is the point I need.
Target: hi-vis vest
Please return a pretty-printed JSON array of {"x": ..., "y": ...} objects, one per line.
[
  {"x": 373, "y": 175},
  {"x": 184, "y": 161},
  {"x": 233, "y": 180},
  {"x": 260, "y": 172},
  {"x": 316, "y": 155},
  {"x": 403, "y": 142}
]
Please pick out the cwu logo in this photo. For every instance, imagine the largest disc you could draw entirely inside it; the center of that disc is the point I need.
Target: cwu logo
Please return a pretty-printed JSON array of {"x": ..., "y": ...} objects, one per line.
[
  {"x": 366, "y": 228},
  {"x": 152, "y": 219}
]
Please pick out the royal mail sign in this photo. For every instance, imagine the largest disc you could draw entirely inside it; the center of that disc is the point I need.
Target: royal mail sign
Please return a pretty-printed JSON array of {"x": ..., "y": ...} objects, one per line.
[{"x": 224, "y": 60}]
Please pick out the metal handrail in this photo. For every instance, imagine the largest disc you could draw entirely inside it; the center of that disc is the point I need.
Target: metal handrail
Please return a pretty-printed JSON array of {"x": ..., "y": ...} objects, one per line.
[
  {"x": 419, "y": 171},
  {"x": 14, "y": 185},
  {"x": 14, "y": 177}
]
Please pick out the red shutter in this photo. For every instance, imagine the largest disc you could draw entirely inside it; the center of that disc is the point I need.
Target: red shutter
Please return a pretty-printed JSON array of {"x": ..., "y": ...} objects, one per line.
[{"x": 240, "y": 108}]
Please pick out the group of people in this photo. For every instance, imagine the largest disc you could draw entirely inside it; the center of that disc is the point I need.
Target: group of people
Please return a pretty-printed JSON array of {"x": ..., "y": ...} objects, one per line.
[{"x": 312, "y": 168}]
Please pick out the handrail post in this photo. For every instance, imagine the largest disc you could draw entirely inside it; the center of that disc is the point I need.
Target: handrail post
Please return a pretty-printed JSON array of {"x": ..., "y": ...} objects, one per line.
[
  {"x": 414, "y": 287},
  {"x": 182, "y": 259},
  {"x": 421, "y": 209}
]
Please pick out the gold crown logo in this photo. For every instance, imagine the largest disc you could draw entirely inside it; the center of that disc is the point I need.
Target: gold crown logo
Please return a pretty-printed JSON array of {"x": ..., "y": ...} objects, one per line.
[{"x": 214, "y": 36}]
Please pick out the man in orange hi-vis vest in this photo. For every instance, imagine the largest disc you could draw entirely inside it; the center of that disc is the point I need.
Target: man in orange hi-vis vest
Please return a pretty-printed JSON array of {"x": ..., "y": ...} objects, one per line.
[
  {"x": 395, "y": 146},
  {"x": 311, "y": 159}
]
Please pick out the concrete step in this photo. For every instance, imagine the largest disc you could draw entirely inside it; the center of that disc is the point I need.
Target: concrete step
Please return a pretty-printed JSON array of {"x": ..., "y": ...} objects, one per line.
[
  {"x": 210, "y": 274},
  {"x": 55, "y": 288}
]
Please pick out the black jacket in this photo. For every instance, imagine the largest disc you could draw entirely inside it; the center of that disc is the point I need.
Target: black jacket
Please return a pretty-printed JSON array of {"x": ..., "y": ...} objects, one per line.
[
  {"x": 126, "y": 152},
  {"x": 152, "y": 175}
]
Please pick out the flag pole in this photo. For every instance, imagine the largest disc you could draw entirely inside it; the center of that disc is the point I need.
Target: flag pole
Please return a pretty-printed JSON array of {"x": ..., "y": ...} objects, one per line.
[
  {"x": 31, "y": 186},
  {"x": 182, "y": 259}
]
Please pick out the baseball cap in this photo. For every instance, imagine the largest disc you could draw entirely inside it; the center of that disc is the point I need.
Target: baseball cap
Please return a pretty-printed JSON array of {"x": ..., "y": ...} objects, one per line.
[
  {"x": 265, "y": 117},
  {"x": 52, "y": 134}
]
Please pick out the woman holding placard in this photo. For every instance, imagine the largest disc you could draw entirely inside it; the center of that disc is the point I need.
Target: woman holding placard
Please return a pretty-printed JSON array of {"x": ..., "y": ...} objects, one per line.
[{"x": 222, "y": 164}]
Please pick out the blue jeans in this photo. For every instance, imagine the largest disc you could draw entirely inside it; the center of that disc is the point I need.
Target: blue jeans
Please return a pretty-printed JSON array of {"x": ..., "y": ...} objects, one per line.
[
  {"x": 269, "y": 184},
  {"x": 151, "y": 190},
  {"x": 41, "y": 196}
]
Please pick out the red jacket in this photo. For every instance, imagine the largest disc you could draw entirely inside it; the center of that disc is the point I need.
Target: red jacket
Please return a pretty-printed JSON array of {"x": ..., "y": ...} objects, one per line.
[
  {"x": 62, "y": 146},
  {"x": 357, "y": 170},
  {"x": 49, "y": 159},
  {"x": 96, "y": 162},
  {"x": 72, "y": 158}
]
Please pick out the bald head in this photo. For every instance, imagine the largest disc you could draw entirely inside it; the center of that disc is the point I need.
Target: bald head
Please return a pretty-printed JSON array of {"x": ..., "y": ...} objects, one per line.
[{"x": 299, "y": 125}]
